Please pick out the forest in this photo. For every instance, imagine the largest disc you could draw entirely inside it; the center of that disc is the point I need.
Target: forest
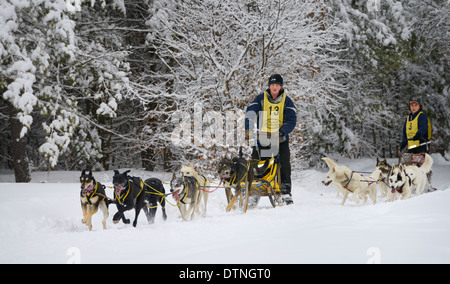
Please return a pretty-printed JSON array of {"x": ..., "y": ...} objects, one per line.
[{"x": 108, "y": 84}]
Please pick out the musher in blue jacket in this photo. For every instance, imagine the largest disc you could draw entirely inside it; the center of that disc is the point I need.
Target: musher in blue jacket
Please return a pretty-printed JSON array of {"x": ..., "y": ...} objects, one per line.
[
  {"x": 415, "y": 129},
  {"x": 275, "y": 116}
]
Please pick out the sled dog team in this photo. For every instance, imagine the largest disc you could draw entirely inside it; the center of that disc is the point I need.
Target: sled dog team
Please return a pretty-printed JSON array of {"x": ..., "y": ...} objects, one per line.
[
  {"x": 129, "y": 192},
  {"x": 134, "y": 193},
  {"x": 396, "y": 181},
  {"x": 188, "y": 189}
]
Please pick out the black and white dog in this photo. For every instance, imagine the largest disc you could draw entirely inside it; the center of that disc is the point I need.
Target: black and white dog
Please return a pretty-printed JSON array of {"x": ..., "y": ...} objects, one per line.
[
  {"x": 399, "y": 183},
  {"x": 403, "y": 178},
  {"x": 92, "y": 197}
]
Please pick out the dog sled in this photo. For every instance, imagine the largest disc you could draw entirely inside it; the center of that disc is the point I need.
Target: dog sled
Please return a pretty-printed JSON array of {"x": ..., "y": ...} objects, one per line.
[
  {"x": 250, "y": 179},
  {"x": 269, "y": 183},
  {"x": 409, "y": 159},
  {"x": 266, "y": 184}
]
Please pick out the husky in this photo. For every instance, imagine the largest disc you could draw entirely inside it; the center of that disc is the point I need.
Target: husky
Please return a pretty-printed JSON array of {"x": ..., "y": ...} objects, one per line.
[
  {"x": 203, "y": 183},
  {"x": 418, "y": 175},
  {"x": 92, "y": 197},
  {"x": 233, "y": 173},
  {"x": 399, "y": 183},
  {"x": 186, "y": 192},
  {"x": 236, "y": 171},
  {"x": 348, "y": 182},
  {"x": 385, "y": 168}
]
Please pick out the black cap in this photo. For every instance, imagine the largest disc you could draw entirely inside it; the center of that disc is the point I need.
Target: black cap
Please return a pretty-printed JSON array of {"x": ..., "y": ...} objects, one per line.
[
  {"x": 276, "y": 79},
  {"x": 415, "y": 99}
]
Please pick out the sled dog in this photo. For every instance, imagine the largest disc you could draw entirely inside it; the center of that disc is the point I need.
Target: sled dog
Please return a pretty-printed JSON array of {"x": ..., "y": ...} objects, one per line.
[
  {"x": 186, "y": 192},
  {"x": 236, "y": 171},
  {"x": 129, "y": 193},
  {"x": 385, "y": 168},
  {"x": 399, "y": 183},
  {"x": 233, "y": 173},
  {"x": 190, "y": 189},
  {"x": 418, "y": 175},
  {"x": 348, "y": 182},
  {"x": 189, "y": 171},
  {"x": 92, "y": 197},
  {"x": 154, "y": 194}
]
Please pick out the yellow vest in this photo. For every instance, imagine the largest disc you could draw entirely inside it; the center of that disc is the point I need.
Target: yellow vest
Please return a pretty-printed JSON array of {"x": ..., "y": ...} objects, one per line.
[
  {"x": 273, "y": 115},
  {"x": 412, "y": 126}
]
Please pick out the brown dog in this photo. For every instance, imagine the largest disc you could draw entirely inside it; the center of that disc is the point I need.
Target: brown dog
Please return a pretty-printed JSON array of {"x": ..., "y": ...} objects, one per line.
[
  {"x": 234, "y": 172},
  {"x": 92, "y": 197}
]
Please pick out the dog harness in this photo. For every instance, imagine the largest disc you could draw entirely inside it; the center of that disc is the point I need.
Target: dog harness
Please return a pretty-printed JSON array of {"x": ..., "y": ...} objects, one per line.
[
  {"x": 273, "y": 114},
  {"x": 123, "y": 197},
  {"x": 232, "y": 179},
  {"x": 186, "y": 184},
  {"x": 349, "y": 180},
  {"x": 88, "y": 196}
]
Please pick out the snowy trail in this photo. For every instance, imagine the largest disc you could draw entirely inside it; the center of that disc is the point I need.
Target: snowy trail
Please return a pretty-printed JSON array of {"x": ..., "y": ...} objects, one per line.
[{"x": 41, "y": 223}]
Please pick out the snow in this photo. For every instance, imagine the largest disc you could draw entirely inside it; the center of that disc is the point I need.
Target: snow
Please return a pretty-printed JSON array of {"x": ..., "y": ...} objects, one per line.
[
  {"x": 108, "y": 109},
  {"x": 41, "y": 223}
]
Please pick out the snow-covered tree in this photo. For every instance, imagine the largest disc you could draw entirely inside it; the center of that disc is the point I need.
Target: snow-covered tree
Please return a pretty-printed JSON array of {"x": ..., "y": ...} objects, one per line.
[
  {"x": 51, "y": 66},
  {"x": 218, "y": 55},
  {"x": 115, "y": 83},
  {"x": 375, "y": 32},
  {"x": 427, "y": 65},
  {"x": 396, "y": 49}
]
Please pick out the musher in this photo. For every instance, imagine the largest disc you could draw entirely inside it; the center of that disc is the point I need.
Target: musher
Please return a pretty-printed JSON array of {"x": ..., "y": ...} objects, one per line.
[
  {"x": 416, "y": 130},
  {"x": 278, "y": 116}
]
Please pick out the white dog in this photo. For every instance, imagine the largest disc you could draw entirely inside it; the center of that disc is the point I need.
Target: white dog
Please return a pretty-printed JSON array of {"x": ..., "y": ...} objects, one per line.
[
  {"x": 348, "y": 182},
  {"x": 189, "y": 171},
  {"x": 418, "y": 175},
  {"x": 369, "y": 186},
  {"x": 402, "y": 179},
  {"x": 399, "y": 183}
]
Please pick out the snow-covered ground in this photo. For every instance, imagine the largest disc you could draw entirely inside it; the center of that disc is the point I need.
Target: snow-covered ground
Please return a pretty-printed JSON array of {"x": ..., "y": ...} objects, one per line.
[{"x": 41, "y": 223}]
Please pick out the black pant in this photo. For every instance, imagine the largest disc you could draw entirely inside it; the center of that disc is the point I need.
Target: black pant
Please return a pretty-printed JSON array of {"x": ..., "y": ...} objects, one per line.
[{"x": 285, "y": 161}]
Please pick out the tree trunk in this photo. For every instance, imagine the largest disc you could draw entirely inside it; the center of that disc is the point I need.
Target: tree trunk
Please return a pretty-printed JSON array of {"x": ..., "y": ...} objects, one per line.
[{"x": 19, "y": 155}]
